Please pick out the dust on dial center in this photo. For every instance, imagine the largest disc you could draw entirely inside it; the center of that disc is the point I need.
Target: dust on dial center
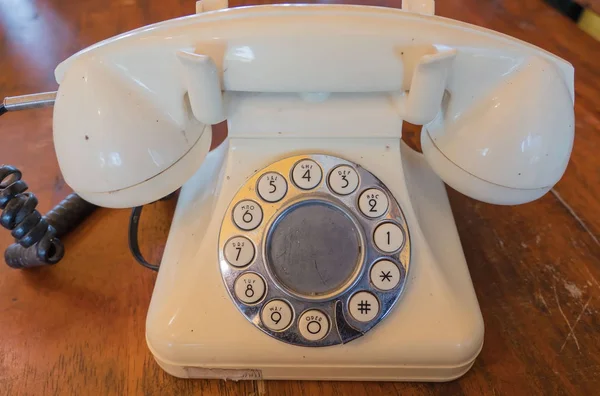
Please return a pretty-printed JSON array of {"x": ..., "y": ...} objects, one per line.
[{"x": 314, "y": 249}]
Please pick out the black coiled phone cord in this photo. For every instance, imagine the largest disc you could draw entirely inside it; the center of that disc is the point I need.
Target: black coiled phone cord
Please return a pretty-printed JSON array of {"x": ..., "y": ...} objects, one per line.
[{"x": 36, "y": 236}]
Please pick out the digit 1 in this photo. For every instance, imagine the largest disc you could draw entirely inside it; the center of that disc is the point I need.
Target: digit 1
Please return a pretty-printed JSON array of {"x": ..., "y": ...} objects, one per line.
[{"x": 388, "y": 234}]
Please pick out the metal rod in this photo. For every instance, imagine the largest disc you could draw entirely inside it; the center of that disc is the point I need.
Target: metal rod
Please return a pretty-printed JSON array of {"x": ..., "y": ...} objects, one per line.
[{"x": 33, "y": 101}]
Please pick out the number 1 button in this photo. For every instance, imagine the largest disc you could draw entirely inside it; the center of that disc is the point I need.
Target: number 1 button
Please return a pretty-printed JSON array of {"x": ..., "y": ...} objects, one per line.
[
  {"x": 307, "y": 174},
  {"x": 247, "y": 215}
]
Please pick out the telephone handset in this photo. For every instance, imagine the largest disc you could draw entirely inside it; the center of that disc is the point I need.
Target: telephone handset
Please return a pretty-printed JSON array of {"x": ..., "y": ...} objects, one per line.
[{"x": 312, "y": 243}]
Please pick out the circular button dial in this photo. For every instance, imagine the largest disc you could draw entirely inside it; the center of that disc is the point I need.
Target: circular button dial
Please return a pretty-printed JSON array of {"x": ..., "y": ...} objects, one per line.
[
  {"x": 388, "y": 237},
  {"x": 363, "y": 306},
  {"x": 373, "y": 203},
  {"x": 277, "y": 315},
  {"x": 272, "y": 187},
  {"x": 314, "y": 250},
  {"x": 343, "y": 180},
  {"x": 247, "y": 215},
  {"x": 239, "y": 251},
  {"x": 307, "y": 174},
  {"x": 313, "y": 325},
  {"x": 249, "y": 288},
  {"x": 385, "y": 275}
]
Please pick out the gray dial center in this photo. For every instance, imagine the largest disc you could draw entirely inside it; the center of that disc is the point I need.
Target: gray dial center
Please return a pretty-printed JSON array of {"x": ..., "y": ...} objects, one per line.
[{"x": 314, "y": 249}]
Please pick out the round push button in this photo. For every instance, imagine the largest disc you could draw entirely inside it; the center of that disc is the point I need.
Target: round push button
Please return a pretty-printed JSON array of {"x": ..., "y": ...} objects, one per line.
[
  {"x": 388, "y": 237},
  {"x": 272, "y": 187},
  {"x": 363, "y": 306},
  {"x": 239, "y": 251},
  {"x": 277, "y": 315},
  {"x": 249, "y": 288},
  {"x": 373, "y": 203},
  {"x": 247, "y": 215},
  {"x": 307, "y": 174},
  {"x": 313, "y": 325},
  {"x": 343, "y": 180},
  {"x": 385, "y": 275}
]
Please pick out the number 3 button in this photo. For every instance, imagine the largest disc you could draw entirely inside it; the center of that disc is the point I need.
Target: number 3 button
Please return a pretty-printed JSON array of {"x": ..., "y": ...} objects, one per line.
[
  {"x": 247, "y": 215},
  {"x": 373, "y": 203}
]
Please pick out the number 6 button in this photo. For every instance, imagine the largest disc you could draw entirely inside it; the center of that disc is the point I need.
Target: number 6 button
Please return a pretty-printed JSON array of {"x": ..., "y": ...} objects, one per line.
[{"x": 247, "y": 215}]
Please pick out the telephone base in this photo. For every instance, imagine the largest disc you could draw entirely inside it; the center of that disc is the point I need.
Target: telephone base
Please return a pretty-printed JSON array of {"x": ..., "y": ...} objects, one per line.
[
  {"x": 433, "y": 333},
  {"x": 332, "y": 373}
]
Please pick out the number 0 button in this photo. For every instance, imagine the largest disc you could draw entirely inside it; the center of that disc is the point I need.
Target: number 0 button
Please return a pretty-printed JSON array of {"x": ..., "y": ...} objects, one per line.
[
  {"x": 313, "y": 325},
  {"x": 239, "y": 251},
  {"x": 272, "y": 187},
  {"x": 307, "y": 174},
  {"x": 247, "y": 215},
  {"x": 249, "y": 288},
  {"x": 373, "y": 203},
  {"x": 388, "y": 237}
]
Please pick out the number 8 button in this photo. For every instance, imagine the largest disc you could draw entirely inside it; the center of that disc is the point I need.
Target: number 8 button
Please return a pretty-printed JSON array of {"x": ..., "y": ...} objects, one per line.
[{"x": 247, "y": 215}]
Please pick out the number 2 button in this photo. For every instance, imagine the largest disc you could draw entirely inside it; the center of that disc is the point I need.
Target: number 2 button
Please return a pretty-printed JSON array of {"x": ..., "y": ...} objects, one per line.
[
  {"x": 373, "y": 203},
  {"x": 247, "y": 215},
  {"x": 272, "y": 187}
]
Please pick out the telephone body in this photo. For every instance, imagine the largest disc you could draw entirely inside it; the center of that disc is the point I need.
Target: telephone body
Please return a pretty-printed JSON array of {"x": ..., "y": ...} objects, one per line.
[{"x": 313, "y": 243}]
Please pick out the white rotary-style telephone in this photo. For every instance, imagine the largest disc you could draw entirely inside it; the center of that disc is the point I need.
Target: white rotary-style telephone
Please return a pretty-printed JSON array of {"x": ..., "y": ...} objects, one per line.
[{"x": 312, "y": 243}]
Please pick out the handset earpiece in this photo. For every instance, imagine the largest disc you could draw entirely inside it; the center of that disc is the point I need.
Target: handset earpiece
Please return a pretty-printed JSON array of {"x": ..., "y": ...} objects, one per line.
[{"x": 509, "y": 144}]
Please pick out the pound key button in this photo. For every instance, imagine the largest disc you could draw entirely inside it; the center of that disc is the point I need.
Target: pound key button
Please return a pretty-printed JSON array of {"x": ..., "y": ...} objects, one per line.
[{"x": 313, "y": 325}]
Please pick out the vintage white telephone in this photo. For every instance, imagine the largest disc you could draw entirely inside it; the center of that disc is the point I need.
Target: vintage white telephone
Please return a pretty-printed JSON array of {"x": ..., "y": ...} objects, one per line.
[{"x": 313, "y": 243}]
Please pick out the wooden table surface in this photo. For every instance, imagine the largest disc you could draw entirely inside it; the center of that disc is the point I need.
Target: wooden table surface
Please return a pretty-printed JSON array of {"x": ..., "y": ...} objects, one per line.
[{"x": 78, "y": 327}]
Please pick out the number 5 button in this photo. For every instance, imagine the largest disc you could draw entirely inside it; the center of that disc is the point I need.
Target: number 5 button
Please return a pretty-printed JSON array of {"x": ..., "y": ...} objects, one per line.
[
  {"x": 247, "y": 215},
  {"x": 272, "y": 187}
]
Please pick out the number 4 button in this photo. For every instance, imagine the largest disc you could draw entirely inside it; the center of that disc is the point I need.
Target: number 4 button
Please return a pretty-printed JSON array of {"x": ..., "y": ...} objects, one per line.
[{"x": 307, "y": 174}]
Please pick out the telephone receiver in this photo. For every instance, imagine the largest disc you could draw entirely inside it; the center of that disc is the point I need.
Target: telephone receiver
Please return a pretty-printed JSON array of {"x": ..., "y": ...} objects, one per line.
[
  {"x": 133, "y": 114},
  {"x": 313, "y": 243}
]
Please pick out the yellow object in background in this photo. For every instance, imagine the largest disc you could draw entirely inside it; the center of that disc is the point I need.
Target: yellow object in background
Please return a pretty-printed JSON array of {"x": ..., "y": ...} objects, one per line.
[{"x": 589, "y": 22}]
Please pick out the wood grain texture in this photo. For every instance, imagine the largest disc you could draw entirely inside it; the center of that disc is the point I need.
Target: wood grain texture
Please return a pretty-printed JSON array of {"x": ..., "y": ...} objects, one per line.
[{"x": 78, "y": 328}]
